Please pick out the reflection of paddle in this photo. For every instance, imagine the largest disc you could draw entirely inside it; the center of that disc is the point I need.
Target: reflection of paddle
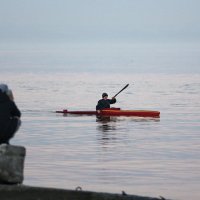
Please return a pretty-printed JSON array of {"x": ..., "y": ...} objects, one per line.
[{"x": 121, "y": 90}]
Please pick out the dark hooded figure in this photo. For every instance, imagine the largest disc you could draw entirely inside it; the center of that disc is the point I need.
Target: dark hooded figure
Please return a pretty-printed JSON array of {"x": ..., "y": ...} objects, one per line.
[
  {"x": 9, "y": 115},
  {"x": 105, "y": 102}
]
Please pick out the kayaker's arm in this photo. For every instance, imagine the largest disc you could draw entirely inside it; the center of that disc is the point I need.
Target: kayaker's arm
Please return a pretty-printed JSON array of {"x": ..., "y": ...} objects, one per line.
[{"x": 113, "y": 100}]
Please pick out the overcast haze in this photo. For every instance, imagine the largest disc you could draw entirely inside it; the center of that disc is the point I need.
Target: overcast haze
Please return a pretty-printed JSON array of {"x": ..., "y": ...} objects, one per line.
[{"x": 118, "y": 20}]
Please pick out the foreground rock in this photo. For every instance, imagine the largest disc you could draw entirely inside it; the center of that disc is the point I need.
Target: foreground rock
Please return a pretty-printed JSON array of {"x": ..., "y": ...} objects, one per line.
[
  {"x": 11, "y": 164},
  {"x": 21, "y": 192}
]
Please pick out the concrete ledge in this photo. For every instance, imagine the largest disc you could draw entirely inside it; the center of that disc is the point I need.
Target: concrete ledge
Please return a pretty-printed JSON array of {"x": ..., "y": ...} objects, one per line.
[
  {"x": 22, "y": 192},
  {"x": 12, "y": 164}
]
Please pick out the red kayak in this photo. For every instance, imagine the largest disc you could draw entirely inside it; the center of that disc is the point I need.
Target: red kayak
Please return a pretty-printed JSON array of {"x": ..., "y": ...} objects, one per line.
[{"x": 115, "y": 112}]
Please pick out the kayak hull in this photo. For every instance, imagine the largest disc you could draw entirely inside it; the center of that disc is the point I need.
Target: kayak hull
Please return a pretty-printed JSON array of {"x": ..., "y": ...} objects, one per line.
[
  {"x": 138, "y": 113},
  {"x": 115, "y": 112}
]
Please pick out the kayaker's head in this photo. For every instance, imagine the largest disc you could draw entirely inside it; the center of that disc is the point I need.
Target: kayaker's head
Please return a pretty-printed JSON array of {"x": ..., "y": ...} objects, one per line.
[{"x": 104, "y": 95}]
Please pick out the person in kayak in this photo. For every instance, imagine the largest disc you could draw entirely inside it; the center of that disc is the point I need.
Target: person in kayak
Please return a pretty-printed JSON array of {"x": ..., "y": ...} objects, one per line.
[
  {"x": 9, "y": 115},
  {"x": 105, "y": 102}
]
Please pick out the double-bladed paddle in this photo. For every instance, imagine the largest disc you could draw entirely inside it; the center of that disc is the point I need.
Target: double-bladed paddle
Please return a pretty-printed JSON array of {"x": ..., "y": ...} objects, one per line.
[{"x": 121, "y": 90}]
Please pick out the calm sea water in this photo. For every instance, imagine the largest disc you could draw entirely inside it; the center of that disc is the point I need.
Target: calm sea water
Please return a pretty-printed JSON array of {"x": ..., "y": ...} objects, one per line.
[{"x": 142, "y": 156}]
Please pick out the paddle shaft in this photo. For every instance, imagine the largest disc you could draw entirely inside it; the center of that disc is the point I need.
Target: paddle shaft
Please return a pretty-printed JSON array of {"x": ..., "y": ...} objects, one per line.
[{"x": 121, "y": 90}]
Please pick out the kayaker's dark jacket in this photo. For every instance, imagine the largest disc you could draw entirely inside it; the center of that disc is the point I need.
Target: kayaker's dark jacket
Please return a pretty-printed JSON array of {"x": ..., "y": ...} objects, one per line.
[
  {"x": 8, "y": 117},
  {"x": 102, "y": 103}
]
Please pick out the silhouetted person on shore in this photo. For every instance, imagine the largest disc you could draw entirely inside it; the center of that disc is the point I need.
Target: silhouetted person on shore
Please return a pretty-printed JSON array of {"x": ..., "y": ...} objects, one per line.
[{"x": 9, "y": 115}]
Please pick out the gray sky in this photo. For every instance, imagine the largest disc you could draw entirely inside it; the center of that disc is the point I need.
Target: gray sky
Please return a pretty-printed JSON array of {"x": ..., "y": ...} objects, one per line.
[{"x": 97, "y": 20}]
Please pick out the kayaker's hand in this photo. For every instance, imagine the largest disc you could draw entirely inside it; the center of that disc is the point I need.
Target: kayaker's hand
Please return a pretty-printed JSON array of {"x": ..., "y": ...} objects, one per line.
[
  {"x": 98, "y": 111},
  {"x": 113, "y": 97}
]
